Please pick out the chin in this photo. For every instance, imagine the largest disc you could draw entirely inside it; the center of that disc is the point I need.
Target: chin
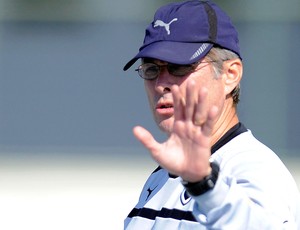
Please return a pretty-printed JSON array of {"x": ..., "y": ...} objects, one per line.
[{"x": 166, "y": 126}]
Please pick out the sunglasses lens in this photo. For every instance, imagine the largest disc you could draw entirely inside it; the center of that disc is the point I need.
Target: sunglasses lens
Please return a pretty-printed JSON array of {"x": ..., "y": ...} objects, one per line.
[
  {"x": 148, "y": 71},
  {"x": 180, "y": 70}
]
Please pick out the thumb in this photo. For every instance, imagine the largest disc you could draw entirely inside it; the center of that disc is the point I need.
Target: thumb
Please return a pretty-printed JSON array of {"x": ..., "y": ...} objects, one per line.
[{"x": 146, "y": 138}]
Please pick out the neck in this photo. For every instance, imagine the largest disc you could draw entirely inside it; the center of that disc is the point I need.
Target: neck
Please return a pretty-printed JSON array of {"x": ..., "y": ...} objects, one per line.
[{"x": 227, "y": 120}]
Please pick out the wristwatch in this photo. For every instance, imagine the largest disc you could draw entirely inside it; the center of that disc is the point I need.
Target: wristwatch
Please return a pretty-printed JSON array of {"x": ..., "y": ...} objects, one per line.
[{"x": 208, "y": 183}]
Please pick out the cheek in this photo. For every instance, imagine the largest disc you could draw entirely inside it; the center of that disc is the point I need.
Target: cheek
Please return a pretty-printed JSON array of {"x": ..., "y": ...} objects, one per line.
[
  {"x": 149, "y": 88},
  {"x": 218, "y": 96},
  {"x": 216, "y": 93}
]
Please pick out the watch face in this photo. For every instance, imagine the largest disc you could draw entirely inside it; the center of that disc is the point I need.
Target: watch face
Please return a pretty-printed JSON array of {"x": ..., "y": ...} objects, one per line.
[{"x": 210, "y": 183}]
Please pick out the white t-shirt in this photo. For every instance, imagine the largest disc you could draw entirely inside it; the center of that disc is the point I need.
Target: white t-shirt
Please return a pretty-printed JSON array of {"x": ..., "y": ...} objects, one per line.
[{"x": 254, "y": 191}]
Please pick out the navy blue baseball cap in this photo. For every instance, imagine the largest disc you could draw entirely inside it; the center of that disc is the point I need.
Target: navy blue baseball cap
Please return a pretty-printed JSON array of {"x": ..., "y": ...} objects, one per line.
[{"x": 184, "y": 32}]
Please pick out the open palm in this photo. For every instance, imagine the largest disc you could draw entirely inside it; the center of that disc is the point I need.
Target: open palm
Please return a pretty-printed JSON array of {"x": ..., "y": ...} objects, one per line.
[{"x": 186, "y": 152}]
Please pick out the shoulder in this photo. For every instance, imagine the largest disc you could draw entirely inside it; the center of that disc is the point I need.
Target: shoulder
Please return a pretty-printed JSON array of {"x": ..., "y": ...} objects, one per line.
[
  {"x": 246, "y": 157},
  {"x": 246, "y": 147},
  {"x": 248, "y": 160}
]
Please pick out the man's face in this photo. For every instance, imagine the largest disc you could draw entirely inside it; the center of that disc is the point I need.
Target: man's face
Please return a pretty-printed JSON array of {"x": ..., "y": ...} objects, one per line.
[{"x": 160, "y": 96}]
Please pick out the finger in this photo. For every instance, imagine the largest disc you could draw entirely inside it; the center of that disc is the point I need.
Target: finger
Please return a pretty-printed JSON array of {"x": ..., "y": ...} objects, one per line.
[
  {"x": 179, "y": 103},
  {"x": 146, "y": 138},
  {"x": 210, "y": 121},
  {"x": 201, "y": 109},
  {"x": 191, "y": 101}
]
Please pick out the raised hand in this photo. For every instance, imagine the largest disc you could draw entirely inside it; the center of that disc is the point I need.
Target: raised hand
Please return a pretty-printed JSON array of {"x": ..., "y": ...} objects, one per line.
[{"x": 187, "y": 151}]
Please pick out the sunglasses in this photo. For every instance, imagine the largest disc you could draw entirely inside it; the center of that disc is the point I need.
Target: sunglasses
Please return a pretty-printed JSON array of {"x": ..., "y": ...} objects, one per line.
[{"x": 150, "y": 71}]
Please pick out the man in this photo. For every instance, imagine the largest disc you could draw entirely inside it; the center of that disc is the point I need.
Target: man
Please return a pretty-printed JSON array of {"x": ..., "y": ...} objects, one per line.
[{"x": 213, "y": 173}]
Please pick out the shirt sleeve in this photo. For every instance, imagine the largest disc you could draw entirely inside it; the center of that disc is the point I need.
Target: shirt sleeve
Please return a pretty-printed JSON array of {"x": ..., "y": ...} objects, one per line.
[{"x": 249, "y": 196}]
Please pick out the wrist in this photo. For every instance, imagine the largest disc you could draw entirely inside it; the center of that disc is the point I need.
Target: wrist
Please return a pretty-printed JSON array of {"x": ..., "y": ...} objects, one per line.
[{"x": 207, "y": 183}]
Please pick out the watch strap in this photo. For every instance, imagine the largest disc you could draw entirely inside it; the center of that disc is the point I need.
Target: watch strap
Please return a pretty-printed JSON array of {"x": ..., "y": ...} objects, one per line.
[{"x": 208, "y": 183}]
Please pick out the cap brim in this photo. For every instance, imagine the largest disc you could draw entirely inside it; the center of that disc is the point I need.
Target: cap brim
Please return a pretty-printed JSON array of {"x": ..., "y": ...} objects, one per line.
[{"x": 173, "y": 52}]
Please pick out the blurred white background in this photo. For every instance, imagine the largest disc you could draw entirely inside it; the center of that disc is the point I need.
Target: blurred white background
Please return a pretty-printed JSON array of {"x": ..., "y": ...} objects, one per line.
[{"x": 82, "y": 192}]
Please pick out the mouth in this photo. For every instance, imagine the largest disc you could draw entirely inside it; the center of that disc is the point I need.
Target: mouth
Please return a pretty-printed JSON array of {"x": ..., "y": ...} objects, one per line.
[{"x": 165, "y": 108}]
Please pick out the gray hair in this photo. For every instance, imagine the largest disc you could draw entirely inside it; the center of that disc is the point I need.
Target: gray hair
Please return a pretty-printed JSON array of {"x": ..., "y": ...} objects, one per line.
[{"x": 217, "y": 56}]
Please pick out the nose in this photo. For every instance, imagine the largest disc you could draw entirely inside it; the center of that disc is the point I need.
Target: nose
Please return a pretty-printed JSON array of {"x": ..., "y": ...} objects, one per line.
[{"x": 164, "y": 81}]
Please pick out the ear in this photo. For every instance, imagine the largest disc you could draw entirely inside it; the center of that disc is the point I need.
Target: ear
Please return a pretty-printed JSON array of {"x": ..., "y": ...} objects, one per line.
[{"x": 232, "y": 73}]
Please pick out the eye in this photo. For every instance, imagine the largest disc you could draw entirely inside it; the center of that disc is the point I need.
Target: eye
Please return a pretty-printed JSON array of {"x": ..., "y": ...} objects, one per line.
[
  {"x": 179, "y": 70},
  {"x": 151, "y": 70}
]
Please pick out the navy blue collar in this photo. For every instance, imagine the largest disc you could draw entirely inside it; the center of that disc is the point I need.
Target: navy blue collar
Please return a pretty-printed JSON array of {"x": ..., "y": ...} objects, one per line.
[{"x": 228, "y": 136}]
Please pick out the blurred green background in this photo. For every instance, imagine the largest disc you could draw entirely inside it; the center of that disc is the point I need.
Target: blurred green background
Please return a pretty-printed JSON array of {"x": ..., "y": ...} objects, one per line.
[{"x": 67, "y": 153}]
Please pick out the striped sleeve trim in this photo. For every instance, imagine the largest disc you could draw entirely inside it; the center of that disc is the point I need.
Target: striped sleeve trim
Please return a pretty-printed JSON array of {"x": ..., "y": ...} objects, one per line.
[{"x": 163, "y": 213}]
